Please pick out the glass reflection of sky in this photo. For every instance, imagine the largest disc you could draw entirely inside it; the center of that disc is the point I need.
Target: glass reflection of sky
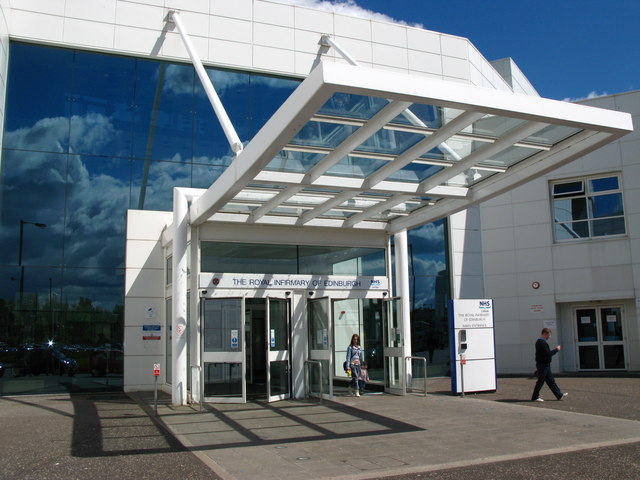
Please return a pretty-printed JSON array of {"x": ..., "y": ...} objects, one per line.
[
  {"x": 294, "y": 162},
  {"x": 390, "y": 142},
  {"x": 348, "y": 105},
  {"x": 427, "y": 262},
  {"x": 429, "y": 115},
  {"x": 323, "y": 134},
  {"x": 135, "y": 128},
  {"x": 415, "y": 172},
  {"x": 355, "y": 167}
]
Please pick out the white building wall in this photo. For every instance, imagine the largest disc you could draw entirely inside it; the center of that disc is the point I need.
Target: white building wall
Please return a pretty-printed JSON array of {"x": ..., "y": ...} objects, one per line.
[
  {"x": 256, "y": 35},
  {"x": 518, "y": 250},
  {"x": 144, "y": 298},
  {"x": 512, "y": 74}
]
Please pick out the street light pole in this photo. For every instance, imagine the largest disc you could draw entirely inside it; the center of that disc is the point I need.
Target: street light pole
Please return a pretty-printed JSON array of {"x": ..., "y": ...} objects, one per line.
[{"x": 22, "y": 224}]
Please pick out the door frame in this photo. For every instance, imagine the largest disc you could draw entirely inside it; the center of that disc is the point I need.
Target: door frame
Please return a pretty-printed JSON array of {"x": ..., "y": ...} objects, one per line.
[
  {"x": 324, "y": 355},
  {"x": 234, "y": 357},
  {"x": 277, "y": 355},
  {"x": 395, "y": 371},
  {"x": 227, "y": 358},
  {"x": 599, "y": 342}
]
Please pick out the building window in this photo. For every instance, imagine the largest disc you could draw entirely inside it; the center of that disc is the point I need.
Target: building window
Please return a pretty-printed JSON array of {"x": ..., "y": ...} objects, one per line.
[
  {"x": 587, "y": 207},
  {"x": 223, "y": 257}
]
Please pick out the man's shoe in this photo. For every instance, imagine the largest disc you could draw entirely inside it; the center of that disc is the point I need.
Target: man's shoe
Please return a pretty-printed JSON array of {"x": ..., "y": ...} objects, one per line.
[
  {"x": 563, "y": 395},
  {"x": 357, "y": 393},
  {"x": 539, "y": 399}
]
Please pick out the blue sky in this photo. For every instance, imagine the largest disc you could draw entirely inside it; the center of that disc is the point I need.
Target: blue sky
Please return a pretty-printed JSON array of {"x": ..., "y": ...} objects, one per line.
[{"x": 569, "y": 49}]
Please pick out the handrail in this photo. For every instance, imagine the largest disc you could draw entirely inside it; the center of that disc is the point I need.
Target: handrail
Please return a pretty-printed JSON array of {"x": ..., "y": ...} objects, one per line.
[
  {"x": 307, "y": 388},
  {"x": 425, "y": 371},
  {"x": 198, "y": 367}
]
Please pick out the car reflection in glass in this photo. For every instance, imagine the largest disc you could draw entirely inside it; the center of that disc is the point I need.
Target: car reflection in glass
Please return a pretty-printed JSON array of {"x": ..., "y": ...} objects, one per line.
[
  {"x": 64, "y": 365},
  {"x": 35, "y": 359}
]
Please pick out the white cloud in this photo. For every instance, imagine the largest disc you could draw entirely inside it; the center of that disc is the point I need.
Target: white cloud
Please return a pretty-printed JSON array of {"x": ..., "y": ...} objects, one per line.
[
  {"x": 592, "y": 94},
  {"x": 178, "y": 79},
  {"x": 347, "y": 7}
]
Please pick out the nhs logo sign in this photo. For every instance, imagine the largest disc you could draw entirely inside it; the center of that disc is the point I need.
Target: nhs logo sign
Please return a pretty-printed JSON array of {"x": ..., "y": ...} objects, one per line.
[{"x": 484, "y": 304}]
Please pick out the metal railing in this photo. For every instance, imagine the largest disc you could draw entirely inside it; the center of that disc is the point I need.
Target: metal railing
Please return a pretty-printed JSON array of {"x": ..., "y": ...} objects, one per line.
[
  {"x": 424, "y": 360},
  {"x": 307, "y": 387}
]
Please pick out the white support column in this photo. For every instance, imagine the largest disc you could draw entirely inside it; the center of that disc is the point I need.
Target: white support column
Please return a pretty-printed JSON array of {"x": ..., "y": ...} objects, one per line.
[
  {"x": 180, "y": 368},
  {"x": 402, "y": 287},
  {"x": 179, "y": 299},
  {"x": 221, "y": 113}
]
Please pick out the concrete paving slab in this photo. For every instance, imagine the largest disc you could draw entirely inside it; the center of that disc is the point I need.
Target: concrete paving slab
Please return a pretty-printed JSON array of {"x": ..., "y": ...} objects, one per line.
[{"x": 381, "y": 435}]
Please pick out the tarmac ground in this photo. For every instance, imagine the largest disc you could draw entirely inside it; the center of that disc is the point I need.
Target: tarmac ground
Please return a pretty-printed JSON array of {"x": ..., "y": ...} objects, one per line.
[{"x": 593, "y": 434}]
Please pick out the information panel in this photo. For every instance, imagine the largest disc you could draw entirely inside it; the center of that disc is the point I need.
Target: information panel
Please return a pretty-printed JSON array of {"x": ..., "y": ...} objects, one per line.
[{"x": 472, "y": 346}]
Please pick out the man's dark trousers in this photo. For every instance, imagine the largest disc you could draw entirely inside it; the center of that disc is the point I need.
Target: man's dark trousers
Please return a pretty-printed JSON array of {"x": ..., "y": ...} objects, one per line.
[{"x": 545, "y": 375}]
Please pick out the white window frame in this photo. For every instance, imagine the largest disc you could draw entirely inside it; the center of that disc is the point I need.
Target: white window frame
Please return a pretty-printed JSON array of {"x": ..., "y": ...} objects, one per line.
[{"x": 587, "y": 194}]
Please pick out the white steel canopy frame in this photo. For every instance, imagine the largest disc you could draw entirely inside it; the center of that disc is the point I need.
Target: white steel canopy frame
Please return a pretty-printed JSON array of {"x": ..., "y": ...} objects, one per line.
[
  {"x": 359, "y": 148},
  {"x": 343, "y": 152}
]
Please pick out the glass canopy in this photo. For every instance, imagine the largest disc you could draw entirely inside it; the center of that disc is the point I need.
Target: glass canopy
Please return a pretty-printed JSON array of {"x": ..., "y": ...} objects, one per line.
[{"x": 355, "y": 147}]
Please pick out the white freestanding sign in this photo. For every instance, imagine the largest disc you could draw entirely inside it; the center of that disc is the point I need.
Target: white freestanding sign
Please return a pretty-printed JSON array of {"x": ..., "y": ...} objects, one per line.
[{"x": 472, "y": 346}]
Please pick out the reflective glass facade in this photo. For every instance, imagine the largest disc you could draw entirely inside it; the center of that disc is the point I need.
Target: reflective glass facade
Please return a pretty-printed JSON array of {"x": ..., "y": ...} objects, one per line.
[
  {"x": 88, "y": 136},
  {"x": 291, "y": 259},
  {"x": 430, "y": 295}
]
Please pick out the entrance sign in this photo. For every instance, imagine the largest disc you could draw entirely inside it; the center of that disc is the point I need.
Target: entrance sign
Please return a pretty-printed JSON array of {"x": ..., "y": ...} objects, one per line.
[
  {"x": 293, "y": 282},
  {"x": 151, "y": 332},
  {"x": 234, "y": 339},
  {"x": 472, "y": 345}
]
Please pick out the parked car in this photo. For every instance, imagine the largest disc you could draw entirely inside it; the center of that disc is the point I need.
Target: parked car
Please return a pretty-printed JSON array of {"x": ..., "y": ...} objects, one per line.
[{"x": 63, "y": 364}]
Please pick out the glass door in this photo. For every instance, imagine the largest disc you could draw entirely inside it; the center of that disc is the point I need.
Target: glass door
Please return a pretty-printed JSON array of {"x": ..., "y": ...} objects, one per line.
[
  {"x": 278, "y": 361},
  {"x": 320, "y": 347},
  {"x": 393, "y": 348},
  {"x": 223, "y": 346},
  {"x": 600, "y": 340}
]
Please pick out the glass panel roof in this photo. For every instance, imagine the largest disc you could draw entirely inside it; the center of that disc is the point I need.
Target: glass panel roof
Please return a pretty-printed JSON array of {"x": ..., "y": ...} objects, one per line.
[
  {"x": 358, "y": 148},
  {"x": 294, "y": 162},
  {"x": 345, "y": 105},
  {"x": 323, "y": 134}
]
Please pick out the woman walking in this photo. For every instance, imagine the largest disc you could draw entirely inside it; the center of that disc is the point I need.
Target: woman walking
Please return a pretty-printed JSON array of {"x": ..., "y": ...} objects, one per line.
[{"x": 355, "y": 358}]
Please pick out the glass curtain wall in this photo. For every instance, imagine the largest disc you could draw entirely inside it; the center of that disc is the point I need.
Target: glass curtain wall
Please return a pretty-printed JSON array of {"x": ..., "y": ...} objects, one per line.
[
  {"x": 86, "y": 137},
  {"x": 430, "y": 295}
]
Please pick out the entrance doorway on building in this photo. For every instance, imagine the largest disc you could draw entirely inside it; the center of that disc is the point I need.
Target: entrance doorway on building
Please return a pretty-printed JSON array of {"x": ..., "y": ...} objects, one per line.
[
  {"x": 600, "y": 338},
  {"x": 332, "y": 322},
  {"x": 245, "y": 349}
]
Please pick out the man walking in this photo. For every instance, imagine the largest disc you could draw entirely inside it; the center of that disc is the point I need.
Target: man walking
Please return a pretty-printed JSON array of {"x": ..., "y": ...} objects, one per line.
[{"x": 543, "y": 367}]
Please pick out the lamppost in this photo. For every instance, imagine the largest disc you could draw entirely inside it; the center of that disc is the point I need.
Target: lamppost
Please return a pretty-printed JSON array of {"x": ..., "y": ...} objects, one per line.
[{"x": 22, "y": 224}]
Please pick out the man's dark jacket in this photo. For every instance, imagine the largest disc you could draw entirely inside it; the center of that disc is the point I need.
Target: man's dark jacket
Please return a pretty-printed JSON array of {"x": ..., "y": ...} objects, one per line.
[{"x": 544, "y": 353}]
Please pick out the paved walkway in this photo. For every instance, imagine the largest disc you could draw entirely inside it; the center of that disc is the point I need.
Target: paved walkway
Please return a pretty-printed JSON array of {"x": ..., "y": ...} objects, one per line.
[
  {"x": 492, "y": 435},
  {"x": 380, "y": 435}
]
